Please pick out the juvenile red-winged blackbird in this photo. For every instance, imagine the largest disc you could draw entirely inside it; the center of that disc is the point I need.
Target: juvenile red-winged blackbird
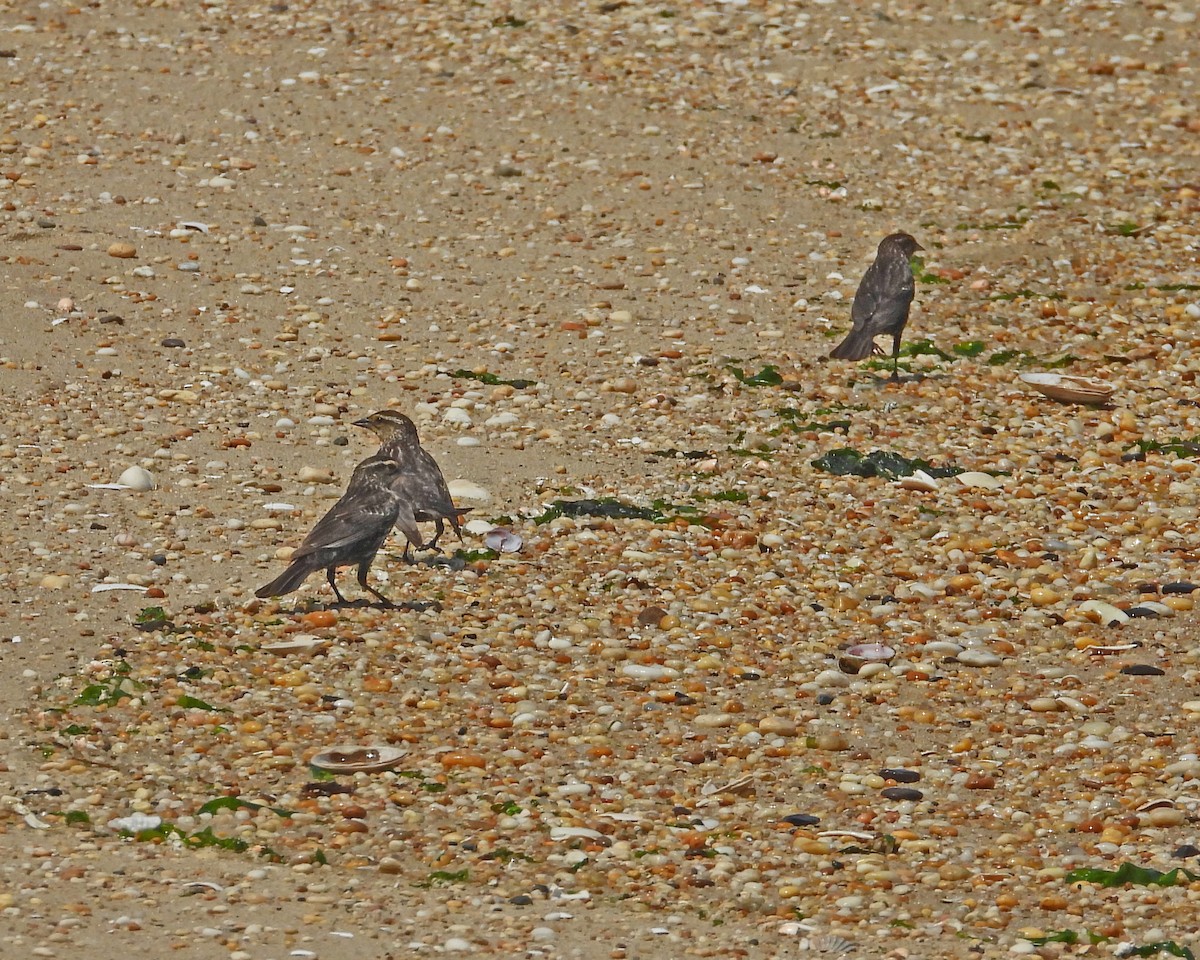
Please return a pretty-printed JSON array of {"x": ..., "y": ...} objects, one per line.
[
  {"x": 882, "y": 302},
  {"x": 420, "y": 480},
  {"x": 351, "y": 532}
]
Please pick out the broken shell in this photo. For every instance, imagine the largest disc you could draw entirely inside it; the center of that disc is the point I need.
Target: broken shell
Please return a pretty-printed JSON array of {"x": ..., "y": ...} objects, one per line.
[
  {"x": 300, "y": 643},
  {"x": 1100, "y": 612},
  {"x": 1106, "y": 650},
  {"x": 1068, "y": 389},
  {"x": 503, "y": 540},
  {"x": 918, "y": 480},
  {"x": 358, "y": 759},
  {"x": 854, "y": 658},
  {"x": 136, "y": 478}
]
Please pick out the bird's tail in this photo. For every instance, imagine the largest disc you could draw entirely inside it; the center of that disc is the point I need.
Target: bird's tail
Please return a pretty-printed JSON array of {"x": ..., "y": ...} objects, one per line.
[
  {"x": 857, "y": 346},
  {"x": 286, "y": 582}
]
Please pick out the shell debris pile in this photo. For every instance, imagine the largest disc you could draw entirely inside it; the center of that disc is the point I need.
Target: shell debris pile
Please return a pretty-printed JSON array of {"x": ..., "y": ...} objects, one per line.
[{"x": 693, "y": 685}]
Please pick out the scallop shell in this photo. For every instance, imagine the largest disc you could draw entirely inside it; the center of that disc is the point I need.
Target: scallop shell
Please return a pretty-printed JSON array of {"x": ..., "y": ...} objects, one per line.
[
  {"x": 136, "y": 478},
  {"x": 300, "y": 643},
  {"x": 1069, "y": 389},
  {"x": 358, "y": 759}
]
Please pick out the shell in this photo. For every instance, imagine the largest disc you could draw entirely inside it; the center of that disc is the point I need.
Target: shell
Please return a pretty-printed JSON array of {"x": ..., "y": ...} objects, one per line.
[
  {"x": 300, "y": 643},
  {"x": 136, "y": 478},
  {"x": 358, "y": 759},
  {"x": 467, "y": 490},
  {"x": 503, "y": 540},
  {"x": 918, "y": 480},
  {"x": 1068, "y": 389},
  {"x": 854, "y": 658},
  {"x": 976, "y": 478}
]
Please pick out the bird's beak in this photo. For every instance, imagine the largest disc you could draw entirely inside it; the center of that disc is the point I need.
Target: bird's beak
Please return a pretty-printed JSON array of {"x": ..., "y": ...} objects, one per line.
[
  {"x": 364, "y": 422},
  {"x": 919, "y": 247}
]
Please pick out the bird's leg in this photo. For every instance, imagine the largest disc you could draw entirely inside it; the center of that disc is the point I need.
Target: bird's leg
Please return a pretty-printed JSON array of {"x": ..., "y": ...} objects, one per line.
[
  {"x": 439, "y": 529},
  {"x": 331, "y": 572},
  {"x": 895, "y": 357},
  {"x": 362, "y": 582}
]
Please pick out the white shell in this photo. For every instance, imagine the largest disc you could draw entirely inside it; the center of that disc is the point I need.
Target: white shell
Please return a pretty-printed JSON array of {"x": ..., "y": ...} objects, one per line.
[
  {"x": 300, "y": 643},
  {"x": 136, "y": 478},
  {"x": 918, "y": 480},
  {"x": 1069, "y": 389},
  {"x": 1102, "y": 612},
  {"x": 975, "y": 478},
  {"x": 358, "y": 759},
  {"x": 466, "y": 490}
]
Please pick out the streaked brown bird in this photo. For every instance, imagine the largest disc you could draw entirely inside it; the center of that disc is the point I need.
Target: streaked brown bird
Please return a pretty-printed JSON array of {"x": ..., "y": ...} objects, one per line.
[
  {"x": 419, "y": 480},
  {"x": 882, "y": 302},
  {"x": 351, "y": 532}
]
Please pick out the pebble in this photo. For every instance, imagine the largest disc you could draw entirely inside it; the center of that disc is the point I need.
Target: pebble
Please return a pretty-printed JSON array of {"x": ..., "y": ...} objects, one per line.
[
  {"x": 315, "y": 475},
  {"x": 122, "y": 251},
  {"x": 978, "y": 657}
]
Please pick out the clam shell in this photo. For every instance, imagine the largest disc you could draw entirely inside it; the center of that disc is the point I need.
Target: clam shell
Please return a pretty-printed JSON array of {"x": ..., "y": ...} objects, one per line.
[
  {"x": 854, "y": 658},
  {"x": 1069, "y": 389},
  {"x": 503, "y": 540},
  {"x": 976, "y": 478},
  {"x": 136, "y": 478},
  {"x": 300, "y": 643},
  {"x": 358, "y": 759}
]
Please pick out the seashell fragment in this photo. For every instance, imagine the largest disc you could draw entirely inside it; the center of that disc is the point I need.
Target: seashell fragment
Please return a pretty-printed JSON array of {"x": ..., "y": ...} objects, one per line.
[
  {"x": 918, "y": 480},
  {"x": 358, "y": 759},
  {"x": 136, "y": 478},
  {"x": 1100, "y": 612},
  {"x": 1068, "y": 389},
  {"x": 300, "y": 643}
]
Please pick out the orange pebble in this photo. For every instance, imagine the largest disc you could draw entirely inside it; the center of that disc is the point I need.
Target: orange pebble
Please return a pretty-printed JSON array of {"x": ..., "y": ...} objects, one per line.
[
  {"x": 461, "y": 758},
  {"x": 319, "y": 618}
]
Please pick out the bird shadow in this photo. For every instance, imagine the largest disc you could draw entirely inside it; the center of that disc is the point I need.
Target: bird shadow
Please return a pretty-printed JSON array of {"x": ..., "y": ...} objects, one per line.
[{"x": 362, "y": 603}]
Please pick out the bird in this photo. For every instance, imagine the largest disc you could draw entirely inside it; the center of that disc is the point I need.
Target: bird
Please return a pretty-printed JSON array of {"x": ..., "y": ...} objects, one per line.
[
  {"x": 882, "y": 301},
  {"x": 419, "y": 481},
  {"x": 351, "y": 532}
]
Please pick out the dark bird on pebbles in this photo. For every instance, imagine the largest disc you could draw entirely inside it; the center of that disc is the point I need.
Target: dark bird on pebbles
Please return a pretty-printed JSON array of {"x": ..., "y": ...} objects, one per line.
[
  {"x": 419, "y": 480},
  {"x": 882, "y": 302},
  {"x": 351, "y": 532}
]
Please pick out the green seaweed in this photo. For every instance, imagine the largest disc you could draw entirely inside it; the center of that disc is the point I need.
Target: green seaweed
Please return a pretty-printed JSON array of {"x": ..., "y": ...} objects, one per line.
[
  {"x": 1128, "y": 873},
  {"x": 846, "y": 461},
  {"x": 972, "y": 348},
  {"x": 768, "y": 376},
  {"x": 492, "y": 380},
  {"x": 192, "y": 703},
  {"x": 236, "y": 803},
  {"x": 443, "y": 877},
  {"x": 923, "y": 348},
  {"x": 1183, "y": 449}
]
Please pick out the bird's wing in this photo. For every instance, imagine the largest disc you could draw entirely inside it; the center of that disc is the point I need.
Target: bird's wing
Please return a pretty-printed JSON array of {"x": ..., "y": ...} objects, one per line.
[
  {"x": 422, "y": 484},
  {"x": 885, "y": 292},
  {"x": 356, "y": 517}
]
